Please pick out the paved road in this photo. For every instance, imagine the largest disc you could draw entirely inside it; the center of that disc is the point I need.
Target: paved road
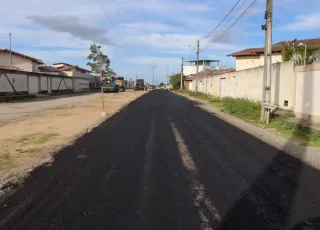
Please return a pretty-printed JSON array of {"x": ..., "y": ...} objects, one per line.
[{"x": 164, "y": 163}]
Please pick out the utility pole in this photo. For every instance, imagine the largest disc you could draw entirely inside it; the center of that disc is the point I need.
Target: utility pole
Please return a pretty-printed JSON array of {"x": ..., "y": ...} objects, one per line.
[
  {"x": 167, "y": 73},
  {"x": 10, "y": 51},
  {"x": 181, "y": 81},
  {"x": 266, "y": 95},
  {"x": 198, "y": 51},
  {"x": 153, "y": 66}
]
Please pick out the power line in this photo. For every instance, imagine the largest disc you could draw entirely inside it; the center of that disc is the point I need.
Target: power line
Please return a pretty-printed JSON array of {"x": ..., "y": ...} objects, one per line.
[
  {"x": 232, "y": 24},
  {"x": 115, "y": 5},
  {"x": 144, "y": 15},
  {"x": 106, "y": 13},
  {"x": 221, "y": 21}
]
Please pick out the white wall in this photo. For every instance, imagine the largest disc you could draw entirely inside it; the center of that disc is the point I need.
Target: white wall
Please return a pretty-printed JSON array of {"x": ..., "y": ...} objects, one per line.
[
  {"x": 248, "y": 84},
  {"x": 307, "y": 104},
  {"x": 248, "y": 62},
  {"x": 19, "y": 81},
  {"x": 80, "y": 84},
  {"x": 187, "y": 70}
]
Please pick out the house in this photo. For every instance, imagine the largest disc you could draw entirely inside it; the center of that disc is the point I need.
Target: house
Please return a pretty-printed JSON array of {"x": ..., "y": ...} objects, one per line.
[
  {"x": 72, "y": 70},
  {"x": 254, "y": 57},
  {"x": 190, "y": 67},
  {"x": 50, "y": 70},
  {"x": 19, "y": 61}
]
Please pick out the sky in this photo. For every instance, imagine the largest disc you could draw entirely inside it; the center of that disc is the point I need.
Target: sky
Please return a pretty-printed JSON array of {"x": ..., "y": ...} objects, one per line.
[{"x": 63, "y": 30}]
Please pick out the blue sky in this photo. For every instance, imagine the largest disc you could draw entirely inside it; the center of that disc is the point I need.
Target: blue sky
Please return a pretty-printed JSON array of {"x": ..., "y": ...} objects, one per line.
[{"x": 62, "y": 30}]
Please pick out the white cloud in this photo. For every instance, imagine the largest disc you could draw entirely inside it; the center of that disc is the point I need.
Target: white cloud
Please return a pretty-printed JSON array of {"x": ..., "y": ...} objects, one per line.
[{"x": 305, "y": 22}]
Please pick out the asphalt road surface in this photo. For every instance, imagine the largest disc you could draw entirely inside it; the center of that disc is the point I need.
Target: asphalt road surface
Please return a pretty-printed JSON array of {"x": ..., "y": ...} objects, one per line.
[{"x": 164, "y": 163}]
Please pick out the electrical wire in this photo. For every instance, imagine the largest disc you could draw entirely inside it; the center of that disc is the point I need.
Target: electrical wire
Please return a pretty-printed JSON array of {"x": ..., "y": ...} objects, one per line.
[
  {"x": 106, "y": 14},
  {"x": 207, "y": 35},
  {"x": 144, "y": 15},
  {"x": 115, "y": 5},
  {"x": 237, "y": 20}
]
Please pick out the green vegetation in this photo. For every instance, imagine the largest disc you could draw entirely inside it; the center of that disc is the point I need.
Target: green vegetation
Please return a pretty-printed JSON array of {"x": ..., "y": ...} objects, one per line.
[
  {"x": 249, "y": 110},
  {"x": 175, "y": 80},
  {"x": 31, "y": 150},
  {"x": 99, "y": 62},
  {"x": 36, "y": 138},
  {"x": 5, "y": 161}
]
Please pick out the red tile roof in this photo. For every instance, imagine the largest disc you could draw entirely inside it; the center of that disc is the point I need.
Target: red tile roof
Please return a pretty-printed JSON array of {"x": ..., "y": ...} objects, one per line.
[
  {"x": 22, "y": 55},
  {"x": 255, "y": 51},
  {"x": 66, "y": 68},
  {"x": 276, "y": 48}
]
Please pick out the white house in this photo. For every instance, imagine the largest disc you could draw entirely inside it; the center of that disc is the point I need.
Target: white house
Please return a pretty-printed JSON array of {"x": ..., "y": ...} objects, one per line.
[
  {"x": 19, "y": 61},
  {"x": 190, "y": 67}
]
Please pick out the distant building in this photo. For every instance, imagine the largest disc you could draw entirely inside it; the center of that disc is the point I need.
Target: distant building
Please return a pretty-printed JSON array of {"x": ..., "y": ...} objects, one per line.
[
  {"x": 19, "y": 61},
  {"x": 72, "y": 70},
  {"x": 190, "y": 67}
]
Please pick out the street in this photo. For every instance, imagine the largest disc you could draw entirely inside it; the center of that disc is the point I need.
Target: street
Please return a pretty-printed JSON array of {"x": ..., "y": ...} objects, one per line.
[{"x": 164, "y": 163}]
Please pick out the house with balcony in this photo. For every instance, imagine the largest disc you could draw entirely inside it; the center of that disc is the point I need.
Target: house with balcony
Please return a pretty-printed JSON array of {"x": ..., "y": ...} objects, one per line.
[{"x": 190, "y": 67}]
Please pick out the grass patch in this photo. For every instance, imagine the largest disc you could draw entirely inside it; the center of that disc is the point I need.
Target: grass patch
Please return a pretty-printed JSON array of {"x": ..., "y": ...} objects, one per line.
[
  {"x": 5, "y": 156},
  {"x": 5, "y": 161},
  {"x": 31, "y": 150},
  {"x": 249, "y": 110},
  {"x": 36, "y": 138}
]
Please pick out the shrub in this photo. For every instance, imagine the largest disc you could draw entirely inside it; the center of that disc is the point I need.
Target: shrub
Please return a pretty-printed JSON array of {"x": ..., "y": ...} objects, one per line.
[{"x": 242, "y": 107}]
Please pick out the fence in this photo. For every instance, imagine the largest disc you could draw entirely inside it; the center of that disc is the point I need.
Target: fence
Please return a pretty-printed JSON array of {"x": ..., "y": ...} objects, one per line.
[{"x": 14, "y": 82}]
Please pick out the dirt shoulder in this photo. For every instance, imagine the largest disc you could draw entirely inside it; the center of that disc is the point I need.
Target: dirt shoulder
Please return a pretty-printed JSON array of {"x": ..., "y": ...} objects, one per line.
[{"x": 32, "y": 141}]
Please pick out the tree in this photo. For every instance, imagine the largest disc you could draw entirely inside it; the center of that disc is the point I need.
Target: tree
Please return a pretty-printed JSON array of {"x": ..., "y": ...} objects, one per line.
[
  {"x": 161, "y": 84},
  {"x": 99, "y": 62},
  {"x": 175, "y": 80}
]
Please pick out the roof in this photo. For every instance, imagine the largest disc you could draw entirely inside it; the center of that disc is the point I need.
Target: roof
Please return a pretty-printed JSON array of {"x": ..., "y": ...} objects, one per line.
[
  {"x": 203, "y": 61},
  {"x": 308, "y": 42},
  {"x": 22, "y": 55},
  {"x": 61, "y": 63},
  {"x": 209, "y": 72},
  {"x": 44, "y": 68},
  {"x": 66, "y": 68},
  {"x": 255, "y": 51},
  {"x": 276, "y": 48}
]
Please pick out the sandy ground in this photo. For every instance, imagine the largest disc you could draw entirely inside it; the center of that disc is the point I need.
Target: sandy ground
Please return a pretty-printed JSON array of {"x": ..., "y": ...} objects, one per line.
[{"x": 32, "y": 140}]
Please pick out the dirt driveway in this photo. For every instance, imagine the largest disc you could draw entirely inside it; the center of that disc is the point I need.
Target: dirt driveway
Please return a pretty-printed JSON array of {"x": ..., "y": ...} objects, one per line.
[{"x": 32, "y": 140}]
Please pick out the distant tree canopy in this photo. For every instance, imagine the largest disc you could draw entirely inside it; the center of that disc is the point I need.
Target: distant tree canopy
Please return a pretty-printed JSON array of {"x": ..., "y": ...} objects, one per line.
[
  {"x": 99, "y": 62},
  {"x": 161, "y": 84},
  {"x": 175, "y": 80}
]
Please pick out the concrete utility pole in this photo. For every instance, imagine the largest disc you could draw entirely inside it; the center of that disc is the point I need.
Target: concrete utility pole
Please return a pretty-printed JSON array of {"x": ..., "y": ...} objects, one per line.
[
  {"x": 153, "y": 66},
  {"x": 198, "y": 52},
  {"x": 10, "y": 51},
  {"x": 266, "y": 95},
  {"x": 181, "y": 81},
  {"x": 167, "y": 72}
]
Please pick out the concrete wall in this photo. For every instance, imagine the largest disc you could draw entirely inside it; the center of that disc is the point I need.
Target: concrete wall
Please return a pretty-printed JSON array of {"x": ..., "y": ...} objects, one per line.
[
  {"x": 307, "y": 104},
  {"x": 248, "y": 62},
  {"x": 248, "y": 84},
  {"x": 20, "y": 62},
  {"x": 21, "y": 82}
]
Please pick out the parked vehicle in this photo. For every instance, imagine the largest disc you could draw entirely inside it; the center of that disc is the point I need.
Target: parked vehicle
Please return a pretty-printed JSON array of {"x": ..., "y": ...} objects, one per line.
[
  {"x": 139, "y": 85},
  {"x": 109, "y": 86},
  {"x": 120, "y": 81}
]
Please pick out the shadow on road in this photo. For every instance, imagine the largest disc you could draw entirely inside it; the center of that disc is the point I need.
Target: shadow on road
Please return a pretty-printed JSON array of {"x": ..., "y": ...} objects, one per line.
[{"x": 281, "y": 190}]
